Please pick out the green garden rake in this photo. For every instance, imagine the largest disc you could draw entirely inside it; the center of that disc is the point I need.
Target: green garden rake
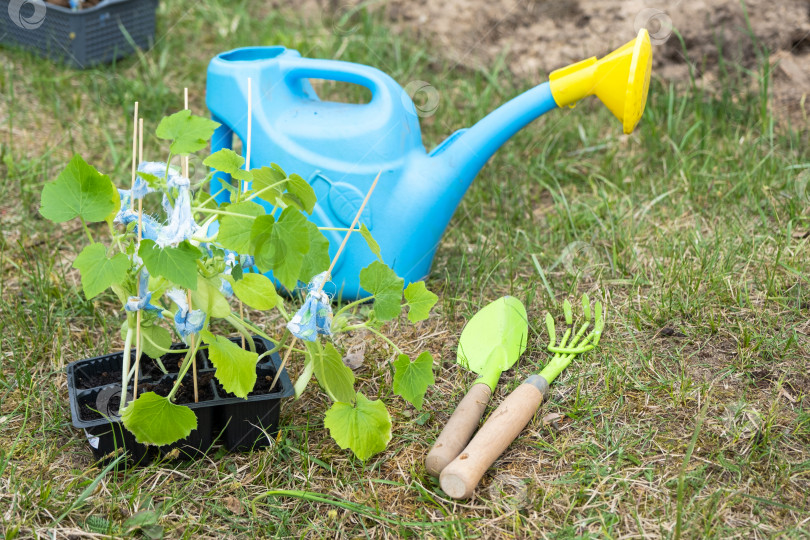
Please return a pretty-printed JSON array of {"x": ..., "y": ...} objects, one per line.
[{"x": 459, "y": 477}]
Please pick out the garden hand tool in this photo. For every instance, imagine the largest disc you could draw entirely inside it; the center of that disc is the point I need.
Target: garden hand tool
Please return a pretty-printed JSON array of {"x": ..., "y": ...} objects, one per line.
[
  {"x": 337, "y": 147},
  {"x": 490, "y": 344},
  {"x": 459, "y": 478}
]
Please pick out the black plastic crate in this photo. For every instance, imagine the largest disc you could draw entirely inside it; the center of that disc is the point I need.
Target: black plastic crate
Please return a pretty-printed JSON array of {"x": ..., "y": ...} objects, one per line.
[
  {"x": 242, "y": 424},
  {"x": 82, "y": 38},
  {"x": 249, "y": 424}
]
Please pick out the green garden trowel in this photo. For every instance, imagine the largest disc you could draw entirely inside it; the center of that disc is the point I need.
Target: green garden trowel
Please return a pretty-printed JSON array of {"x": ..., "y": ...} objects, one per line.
[
  {"x": 490, "y": 344},
  {"x": 460, "y": 477}
]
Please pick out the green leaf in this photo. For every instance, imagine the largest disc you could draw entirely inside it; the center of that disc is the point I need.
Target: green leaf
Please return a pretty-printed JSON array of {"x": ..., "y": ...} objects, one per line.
[
  {"x": 98, "y": 524},
  {"x": 140, "y": 519},
  {"x": 292, "y": 191},
  {"x": 372, "y": 244},
  {"x": 98, "y": 271},
  {"x": 364, "y": 427},
  {"x": 300, "y": 193},
  {"x": 234, "y": 231},
  {"x": 420, "y": 301},
  {"x": 317, "y": 259},
  {"x": 257, "y": 291},
  {"x": 306, "y": 375},
  {"x": 236, "y": 367},
  {"x": 266, "y": 177},
  {"x": 178, "y": 265},
  {"x": 260, "y": 235},
  {"x": 187, "y": 132},
  {"x": 154, "y": 419},
  {"x": 335, "y": 377},
  {"x": 411, "y": 379},
  {"x": 154, "y": 182},
  {"x": 229, "y": 162},
  {"x": 159, "y": 335},
  {"x": 383, "y": 283},
  {"x": 208, "y": 298},
  {"x": 280, "y": 245},
  {"x": 120, "y": 292},
  {"x": 79, "y": 191},
  {"x": 153, "y": 532}
]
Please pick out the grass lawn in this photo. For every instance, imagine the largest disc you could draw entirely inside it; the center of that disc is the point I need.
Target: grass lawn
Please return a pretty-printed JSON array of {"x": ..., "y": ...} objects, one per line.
[{"x": 690, "y": 420}]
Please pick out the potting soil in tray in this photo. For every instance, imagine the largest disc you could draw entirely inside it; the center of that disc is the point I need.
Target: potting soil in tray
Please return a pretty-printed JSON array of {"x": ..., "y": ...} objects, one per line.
[
  {"x": 98, "y": 371},
  {"x": 98, "y": 379},
  {"x": 171, "y": 361},
  {"x": 100, "y": 403},
  {"x": 104, "y": 370},
  {"x": 185, "y": 394}
]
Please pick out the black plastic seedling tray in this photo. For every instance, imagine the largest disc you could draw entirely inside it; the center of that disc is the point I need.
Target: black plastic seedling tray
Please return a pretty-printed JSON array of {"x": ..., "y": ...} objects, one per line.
[
  {"x": 82, "y": 38},
  {"x": 240, "y": 424}
]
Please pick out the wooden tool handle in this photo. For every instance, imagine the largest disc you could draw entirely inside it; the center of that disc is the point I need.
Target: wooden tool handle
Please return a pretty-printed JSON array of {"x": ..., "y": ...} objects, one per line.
[
  {"x": 459, "y": 477},
  {"x": 456, "y": 434}
]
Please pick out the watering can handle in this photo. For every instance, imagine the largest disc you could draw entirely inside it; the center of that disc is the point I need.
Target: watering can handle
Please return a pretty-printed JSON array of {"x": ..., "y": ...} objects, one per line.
[
  {"x": 461, "y": 476},
  {"x": 382, "y": 87}
]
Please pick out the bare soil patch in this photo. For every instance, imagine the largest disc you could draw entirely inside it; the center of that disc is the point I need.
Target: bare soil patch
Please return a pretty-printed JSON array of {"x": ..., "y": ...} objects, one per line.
[{"x": 535, "y": 37}]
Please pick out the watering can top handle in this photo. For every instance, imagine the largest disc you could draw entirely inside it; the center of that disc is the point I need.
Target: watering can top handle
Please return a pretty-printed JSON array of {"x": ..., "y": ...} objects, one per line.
[{"x": 383, "y": 88}]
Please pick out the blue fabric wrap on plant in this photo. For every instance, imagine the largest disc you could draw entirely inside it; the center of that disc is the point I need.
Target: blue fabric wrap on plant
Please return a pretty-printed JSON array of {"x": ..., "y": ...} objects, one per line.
[
  {"x": 315, "y": 316},
  {"x": 245, "y": 261},
  {"x": 181, "y": 225},
  {"x": 186, "y": 322},
  {"x": 140, "y": 189},
  {"x": 225, "y": 288},
  {"x": 151, "y": 228},
  {"x": 158, "y": 169},
  {"x": 142, "y": 301}
]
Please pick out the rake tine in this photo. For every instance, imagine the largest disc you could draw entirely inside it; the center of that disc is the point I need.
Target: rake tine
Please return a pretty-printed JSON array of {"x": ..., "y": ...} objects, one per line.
[
  {"x": 552, "y": 331},
  {"x": 586, "y": 307},
  {"x": 569, "y": 316}
]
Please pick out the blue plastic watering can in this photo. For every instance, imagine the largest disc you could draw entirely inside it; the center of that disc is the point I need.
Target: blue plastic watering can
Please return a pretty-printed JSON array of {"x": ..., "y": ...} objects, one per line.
[{"x": 340, "y": 147}]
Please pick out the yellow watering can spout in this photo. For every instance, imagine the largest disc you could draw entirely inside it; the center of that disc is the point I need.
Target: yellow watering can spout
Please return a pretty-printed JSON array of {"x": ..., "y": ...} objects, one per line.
[{"x": 620, "y": 80}]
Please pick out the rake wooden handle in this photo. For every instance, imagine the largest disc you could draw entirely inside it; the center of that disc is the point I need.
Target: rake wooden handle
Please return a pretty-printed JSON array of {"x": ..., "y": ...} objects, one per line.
[
  {"x": 456, "y": 434},
  {"x": 459, "y": 477}
]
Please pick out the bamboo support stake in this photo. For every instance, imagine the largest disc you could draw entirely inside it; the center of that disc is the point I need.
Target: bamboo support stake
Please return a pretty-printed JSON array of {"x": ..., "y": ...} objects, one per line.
[
  {"x": 188, "y": 293},
  {"x": 134, "y": 146},
  {"x": 132, "y": 188},
  {"x": 352, "y": 226},
  {"x": 242, "y": 184},
  {"x": 138, "y": 345},
  {"x": 185, "y": 159},
  {"x": 331, "y": 267}
]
